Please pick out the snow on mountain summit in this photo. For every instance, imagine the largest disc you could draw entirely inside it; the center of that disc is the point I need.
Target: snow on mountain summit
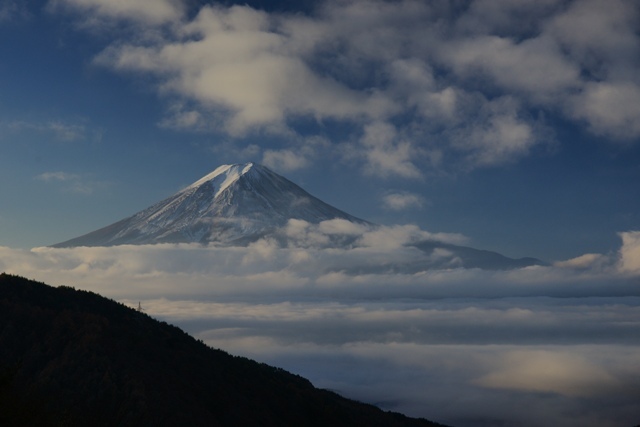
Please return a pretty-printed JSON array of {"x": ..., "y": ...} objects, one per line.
[
  {"x": 234, "y": 204},
  {"x": 224, "y": 176},
  {"x": 242, "y": 203}
]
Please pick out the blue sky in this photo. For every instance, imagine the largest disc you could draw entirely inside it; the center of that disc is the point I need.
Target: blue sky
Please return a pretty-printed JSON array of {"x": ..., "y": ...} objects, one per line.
[{"x": 514, "y": 123}]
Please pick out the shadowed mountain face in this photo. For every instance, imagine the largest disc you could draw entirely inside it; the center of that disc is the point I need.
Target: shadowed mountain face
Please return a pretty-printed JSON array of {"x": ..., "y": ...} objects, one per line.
[
  {"x": 73, "y": 358},
  {"x": 474, "y": 258},
  {"x": 235, "y": 204}
]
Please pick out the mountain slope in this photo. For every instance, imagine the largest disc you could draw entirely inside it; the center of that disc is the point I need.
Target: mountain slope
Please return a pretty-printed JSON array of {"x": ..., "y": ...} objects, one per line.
[
  {"x": 464, "y": 256},
  {"x": 239, "y": 204},
  {"x": 235, "y": 204},
  {"x": 73, "y": 358}
]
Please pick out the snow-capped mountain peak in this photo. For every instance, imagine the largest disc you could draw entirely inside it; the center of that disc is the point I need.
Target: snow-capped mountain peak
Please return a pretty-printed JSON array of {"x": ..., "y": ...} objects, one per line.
[
  {"x": 234, "y": 204},
  {"x": 223, "y": 176},
  {"x": 241, "y": 203}
]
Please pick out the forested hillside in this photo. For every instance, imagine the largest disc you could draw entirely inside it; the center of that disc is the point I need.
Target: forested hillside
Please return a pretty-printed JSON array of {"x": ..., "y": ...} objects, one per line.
[{"x": 74, "y": 358}]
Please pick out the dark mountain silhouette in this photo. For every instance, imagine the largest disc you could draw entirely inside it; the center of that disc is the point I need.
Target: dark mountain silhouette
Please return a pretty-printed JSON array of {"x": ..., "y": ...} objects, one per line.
[
  {"x": 477, "y": 258},
  {"x": 74, "y": 358}
]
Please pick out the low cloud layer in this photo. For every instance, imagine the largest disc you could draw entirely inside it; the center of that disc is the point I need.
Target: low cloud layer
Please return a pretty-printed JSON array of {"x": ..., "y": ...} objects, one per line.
[
  {"x": 544, "y": 345},
  {"x": 370, "y": 263},
  {"x": 416, "y": 85}
]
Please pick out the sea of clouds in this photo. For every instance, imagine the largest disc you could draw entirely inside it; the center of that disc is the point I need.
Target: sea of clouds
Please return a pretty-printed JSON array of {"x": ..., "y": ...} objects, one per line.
[{"x": 543, "y": 345}]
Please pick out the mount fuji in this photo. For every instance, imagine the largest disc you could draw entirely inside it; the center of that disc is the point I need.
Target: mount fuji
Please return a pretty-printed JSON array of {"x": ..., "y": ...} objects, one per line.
[
  {"x": 238, "y": 204},
  {"x": 234, "y": 205}
]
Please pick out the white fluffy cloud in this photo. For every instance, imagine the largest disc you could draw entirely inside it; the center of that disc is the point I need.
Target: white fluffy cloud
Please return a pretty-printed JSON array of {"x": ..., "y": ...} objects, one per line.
[
  {"x": 233, "y": 60},
  {"x": 585, "y": 261},
  {"x": 630, "y": 252},
  {"x": 387, "y": 153},
  {"x": 402, "y": 200},
  {"x": 600, "y": 35},
  {"x": 418, "y": 83},
  {"x": 498, "y": 135},
  {"x": 156, "y": 12},
  {"x": 534, "y": 66},
  {"x": 609, "y": 108},
  {"x": 284, "y": 160},
  {"x": 298, "y": 155}
]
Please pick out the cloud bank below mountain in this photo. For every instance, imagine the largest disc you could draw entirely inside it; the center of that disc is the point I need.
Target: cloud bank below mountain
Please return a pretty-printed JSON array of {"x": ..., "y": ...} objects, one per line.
[
  {"x": 554, "y": 345},
  {"x": 309, "y": 265}
]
